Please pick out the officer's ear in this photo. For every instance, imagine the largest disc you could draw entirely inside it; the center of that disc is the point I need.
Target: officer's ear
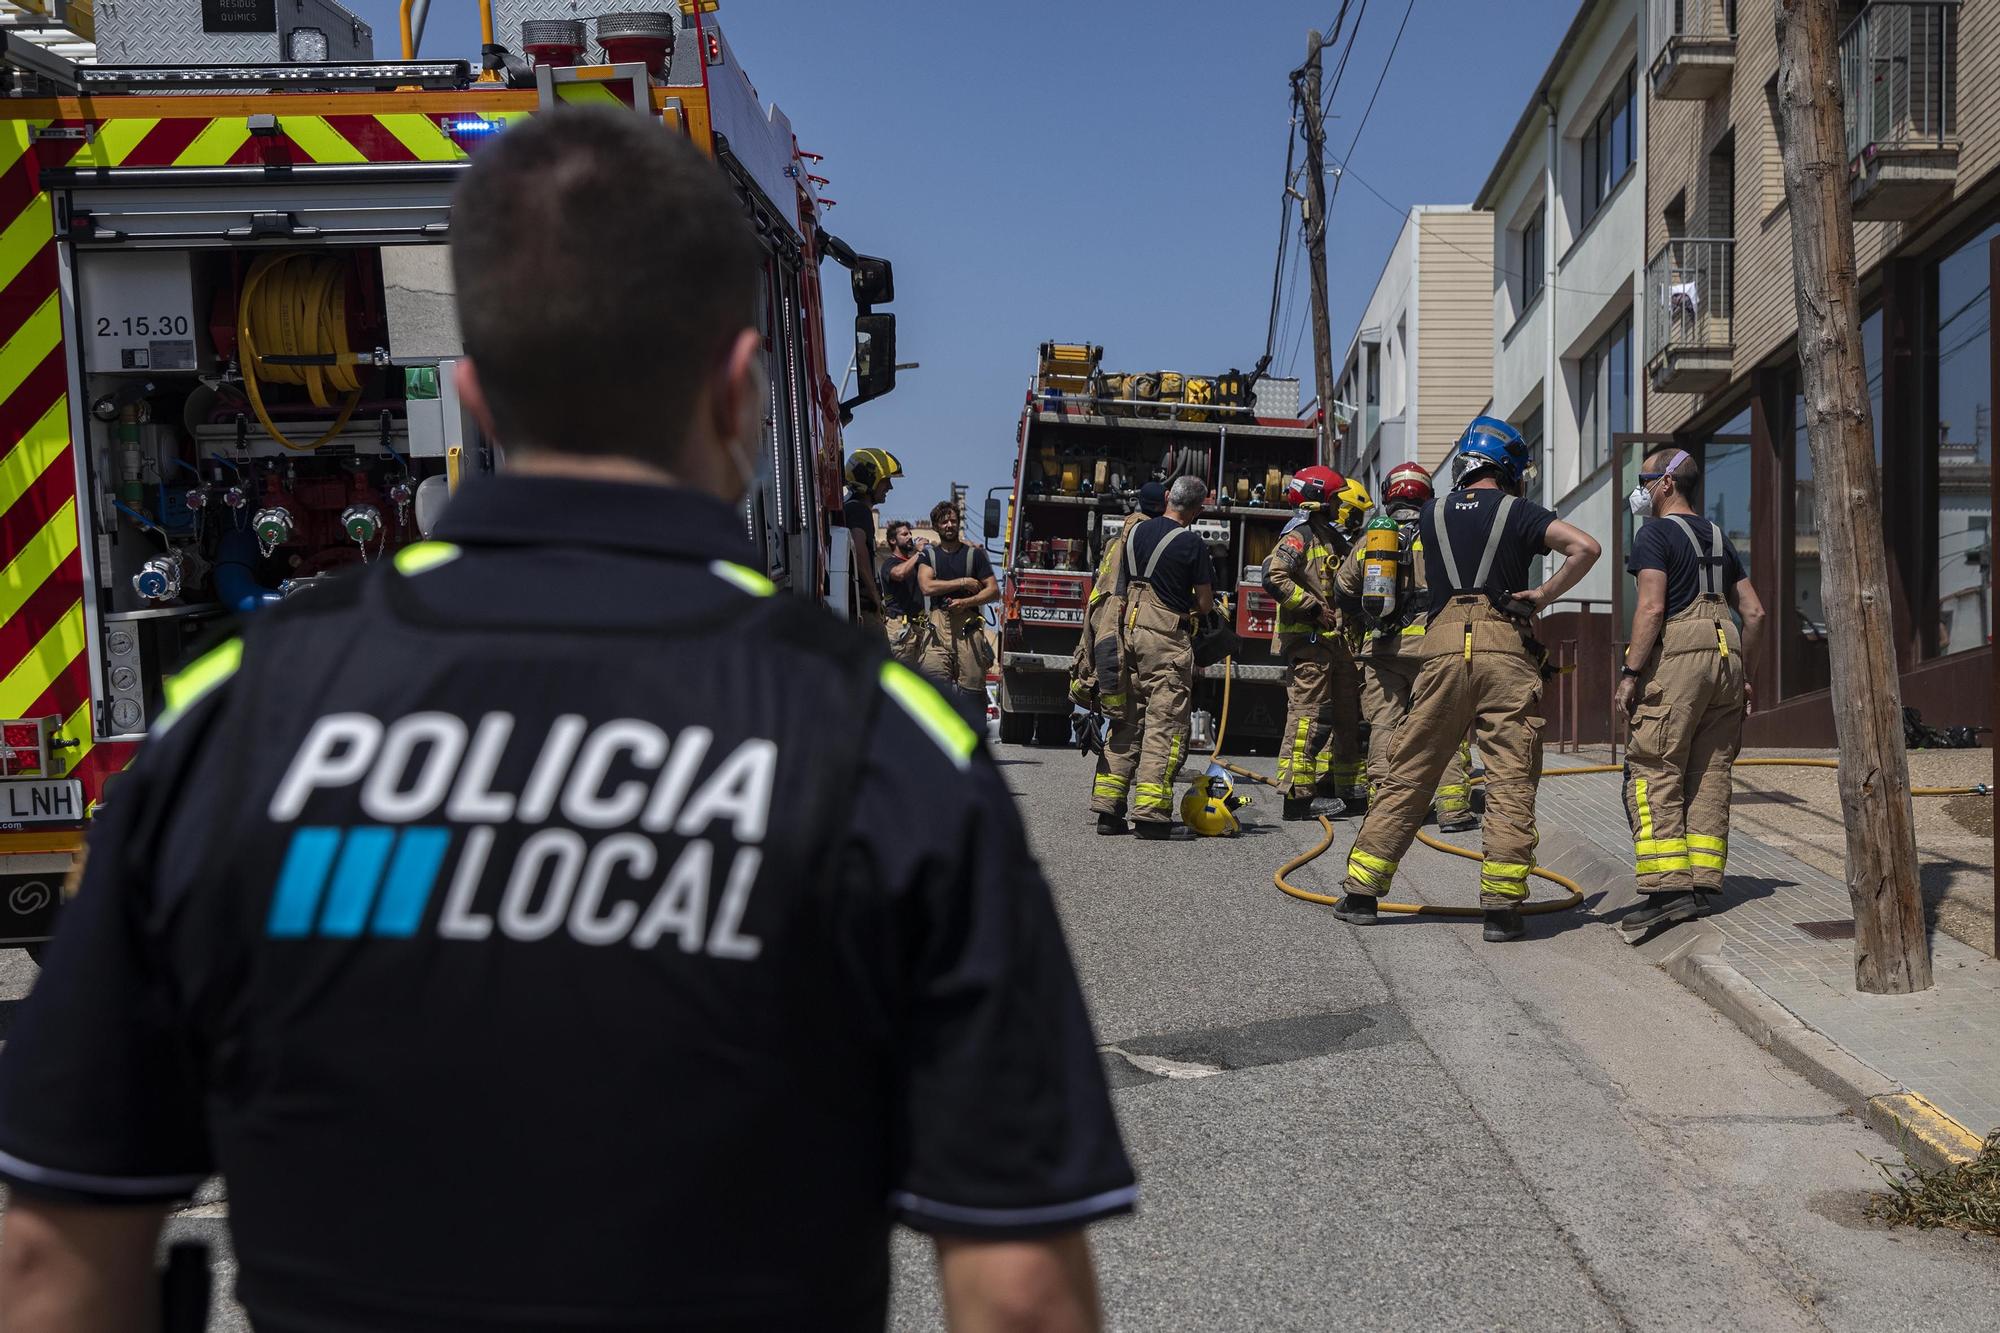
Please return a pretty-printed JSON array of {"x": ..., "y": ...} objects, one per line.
[
  {"x": 472, "y": 394},
  {"x": 736, "y": 395}
]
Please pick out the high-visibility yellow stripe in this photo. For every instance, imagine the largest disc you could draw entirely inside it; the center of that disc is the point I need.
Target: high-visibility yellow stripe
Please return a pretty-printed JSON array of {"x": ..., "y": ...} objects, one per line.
[
  {"x": 588, "y": 93},
  {"x": 744, "y": 577},
  {"x": 197, "y": 680},
  {"x": 1708, "y": 844},
  {"x": 1645, "y": 833},
  {"x": 14, "y": 139},
  {"x": 216, "y": 144},
  {"x": 40, "y": 556},
  {"x": 40, "y": 447},
  {"x": 1368, "y": 859},
  {"x": 25, "y": 237},
  {"x": 1108, "y": 784},
  {"x": 421, "y": 135},
  {"x": 1153, "y": 796},
  {"x": 1176, "y": 752},
  {"x": 320, "y": 141},
  {"x": 420, "y": 556},
  {"x": 45, "y": 661},
  {"x": 1504, "y": 870},
  {"x": 114, "y": 141},
  {"x": 29, "y": 345},
  {"x": 927, "y": 708},
  {"x": 1707, "y": 861},
  {"x": 1659, "y": 846},
  {"x": 1661, "y": 865},
  {"x": 1114, "y": 701},
  {"x": 76, "y": 727}
]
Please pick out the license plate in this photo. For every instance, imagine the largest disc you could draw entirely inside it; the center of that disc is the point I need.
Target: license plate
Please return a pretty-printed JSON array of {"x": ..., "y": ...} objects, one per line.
[{"x": 58, "y": 801}]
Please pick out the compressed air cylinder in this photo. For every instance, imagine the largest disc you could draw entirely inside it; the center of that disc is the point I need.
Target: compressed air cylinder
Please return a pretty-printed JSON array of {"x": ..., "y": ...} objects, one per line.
[{"x": 1381, "y": 561}]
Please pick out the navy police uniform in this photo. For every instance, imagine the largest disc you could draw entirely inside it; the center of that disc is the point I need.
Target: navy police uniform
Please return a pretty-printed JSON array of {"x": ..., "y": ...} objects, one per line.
[{"x": 551, "y": 864}]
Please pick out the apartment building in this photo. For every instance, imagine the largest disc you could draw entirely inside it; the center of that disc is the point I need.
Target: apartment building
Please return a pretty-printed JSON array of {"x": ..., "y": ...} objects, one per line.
[
  {"x": 1421, "y": 364},
  {"x": 1921, "y": 80},
  {"x": 1567, "y": 199}
]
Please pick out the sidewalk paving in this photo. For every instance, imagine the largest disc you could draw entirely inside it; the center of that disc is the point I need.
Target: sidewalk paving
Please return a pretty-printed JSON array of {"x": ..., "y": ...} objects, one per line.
[{"x": 1894, "y": 1056}]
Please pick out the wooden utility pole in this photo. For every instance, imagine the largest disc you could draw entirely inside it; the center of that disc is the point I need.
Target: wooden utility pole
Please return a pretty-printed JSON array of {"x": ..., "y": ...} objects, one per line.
[
  {"x": 1305, "y": 83},
  {"x": 1891, "y": 949}
]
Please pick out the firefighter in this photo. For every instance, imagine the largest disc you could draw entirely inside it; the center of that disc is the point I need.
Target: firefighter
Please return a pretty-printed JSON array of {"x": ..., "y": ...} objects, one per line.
[
  {"x": 446, "y": 836},
  {"x": 1299, "y": 576},
  {"x": 1684, "y": 685},
  {"x": 869, "y": 481},
  {"x": 901, "y": 598},
  {"x": 1342, "y": 767},
  {"x": 956, "y": 578},
  {"x": 1169, "y": 584},
  {"x": 1482, "y": 669},
  {"x": 1100, "y": 678},
  {"x": 1392, "y": 645}
]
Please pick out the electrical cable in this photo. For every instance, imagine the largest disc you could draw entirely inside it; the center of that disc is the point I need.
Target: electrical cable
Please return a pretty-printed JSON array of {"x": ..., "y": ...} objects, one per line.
[
  {"x": 291, "y": 328},
  {"x": 1371, "y": 100}
]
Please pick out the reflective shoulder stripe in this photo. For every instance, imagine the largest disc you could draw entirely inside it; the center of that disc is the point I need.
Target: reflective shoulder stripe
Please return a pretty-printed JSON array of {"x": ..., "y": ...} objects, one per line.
[
  {"x": 1707, "y": 568},
  {"x": 197, "y": 680},
  {"x": 744, "y": 577},
  {"x": 1493, "y": 536},
  {"x": 1153, "y": 560},
  {"x": 420, "y": 556},
  {"x": 927, "y": 708}
]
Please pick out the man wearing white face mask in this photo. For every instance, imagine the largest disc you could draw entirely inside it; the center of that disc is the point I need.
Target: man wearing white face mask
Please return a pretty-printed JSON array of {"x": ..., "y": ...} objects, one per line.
[
  {"x": 542, "y": 866},
  {"x": 1684, "y": 685}
]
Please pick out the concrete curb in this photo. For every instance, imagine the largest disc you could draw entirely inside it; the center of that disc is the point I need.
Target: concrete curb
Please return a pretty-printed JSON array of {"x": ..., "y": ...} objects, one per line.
[{"x": 1904, "y": 1117}]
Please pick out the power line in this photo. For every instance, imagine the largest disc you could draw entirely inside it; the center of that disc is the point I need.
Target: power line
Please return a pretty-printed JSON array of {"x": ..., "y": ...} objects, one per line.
[
  {"x": 1340, "y": 69},
  {"x": 1284, "y": 221},
  {"x": 1366, "y": 112}
]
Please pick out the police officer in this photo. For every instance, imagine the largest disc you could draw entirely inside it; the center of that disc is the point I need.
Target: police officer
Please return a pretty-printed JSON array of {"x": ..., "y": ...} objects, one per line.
[
  {"x": 1482, "y": 669},
  {"x": 1102, "y": 677},
  {"x": 901, "y": 599},
  {"x": 1299, "y": 576},
  {"x": 869, "y": 481},
  {"x": 956, "y": 578},
  {"x": 1684, "y": 685},
  {"x": 1169, "y": 583},
  {"x": 1392, "y": 645},
  {"x": 445, "y": 897}
]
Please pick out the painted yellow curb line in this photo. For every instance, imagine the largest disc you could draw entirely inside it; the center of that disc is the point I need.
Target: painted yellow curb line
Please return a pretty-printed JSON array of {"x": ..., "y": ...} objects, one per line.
[{"x": 1936, "y": 1135}]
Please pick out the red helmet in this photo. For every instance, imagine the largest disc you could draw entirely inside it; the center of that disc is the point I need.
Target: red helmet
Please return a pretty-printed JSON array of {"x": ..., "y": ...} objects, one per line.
[
  {"x": 1313, "y": 486},
  {"x": 1409, "y": 483}
]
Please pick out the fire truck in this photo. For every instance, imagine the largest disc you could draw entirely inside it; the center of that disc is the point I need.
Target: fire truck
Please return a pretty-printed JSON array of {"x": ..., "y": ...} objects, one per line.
[
  {"x": 1088, "y": 439},
  {"x": 227, "y": 349}
]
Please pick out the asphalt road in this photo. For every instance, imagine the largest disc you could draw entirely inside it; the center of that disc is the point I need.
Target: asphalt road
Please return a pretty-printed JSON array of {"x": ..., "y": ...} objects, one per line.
[{"x": 1403, "y": 1127}]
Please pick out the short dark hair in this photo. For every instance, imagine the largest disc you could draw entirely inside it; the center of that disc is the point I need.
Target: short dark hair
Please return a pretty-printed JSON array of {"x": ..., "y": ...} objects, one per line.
[
  {"x": 1687, "y": 477},
  {"x": 940, "y": 509},
  {"x": 602, "y": 266}
]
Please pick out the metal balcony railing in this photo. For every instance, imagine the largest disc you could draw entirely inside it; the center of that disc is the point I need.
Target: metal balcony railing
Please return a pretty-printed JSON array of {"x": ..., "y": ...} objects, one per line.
[
  {"x": 1693, "y": 48},
  {"x": 1899, "y": 75},
  {"x": 1707, "y": 20},
  {"x": 1691, "y": 295}
]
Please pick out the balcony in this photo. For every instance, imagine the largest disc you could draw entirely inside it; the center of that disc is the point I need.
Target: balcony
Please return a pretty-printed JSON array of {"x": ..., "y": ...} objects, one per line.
[
  {"x": 1899, "y": 80},
  {"x": 1690, "y": 315},
  {"x": 1697, "y": 49}
]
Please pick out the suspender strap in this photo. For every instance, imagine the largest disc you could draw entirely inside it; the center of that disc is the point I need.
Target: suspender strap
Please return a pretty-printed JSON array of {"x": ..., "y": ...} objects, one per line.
[
  {"x": 1153, "y": 560},
  {"x": 1707, "y": 565},
  {"x": 1493, "y": 536}
]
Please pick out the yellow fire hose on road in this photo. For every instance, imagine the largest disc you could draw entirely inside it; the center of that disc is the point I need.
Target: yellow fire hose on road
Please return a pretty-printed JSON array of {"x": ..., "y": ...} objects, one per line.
[{"x": 1537, "y": 908}]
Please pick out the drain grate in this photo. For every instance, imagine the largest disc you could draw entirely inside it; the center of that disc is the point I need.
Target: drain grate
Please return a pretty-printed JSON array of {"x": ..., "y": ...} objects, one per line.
[{"x": 1828, "y": 930}]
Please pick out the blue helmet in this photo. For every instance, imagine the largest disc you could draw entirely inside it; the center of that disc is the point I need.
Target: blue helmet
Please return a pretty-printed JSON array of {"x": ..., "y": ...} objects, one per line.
[{"x": 1492, "y": 443}]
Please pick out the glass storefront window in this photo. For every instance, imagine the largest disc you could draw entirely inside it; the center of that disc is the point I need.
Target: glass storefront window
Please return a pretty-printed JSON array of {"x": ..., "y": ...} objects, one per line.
[
  {"x": 1725, "y": 484},
  {"x": 1963, "y": 303},
  {"x": 1804, "y": 624}
]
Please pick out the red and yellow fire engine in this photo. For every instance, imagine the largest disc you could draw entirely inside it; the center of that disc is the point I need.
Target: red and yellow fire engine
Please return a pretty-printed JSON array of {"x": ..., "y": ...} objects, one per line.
[{"x": 227, "y": 352}]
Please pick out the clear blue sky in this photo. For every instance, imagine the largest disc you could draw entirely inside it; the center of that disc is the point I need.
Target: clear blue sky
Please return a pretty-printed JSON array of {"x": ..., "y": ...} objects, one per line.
[{"x": 1106, "y": 171}]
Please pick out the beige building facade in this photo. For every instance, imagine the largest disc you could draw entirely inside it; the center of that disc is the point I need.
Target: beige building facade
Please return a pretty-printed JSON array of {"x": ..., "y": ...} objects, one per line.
[{"x": 1719, "y": 325}]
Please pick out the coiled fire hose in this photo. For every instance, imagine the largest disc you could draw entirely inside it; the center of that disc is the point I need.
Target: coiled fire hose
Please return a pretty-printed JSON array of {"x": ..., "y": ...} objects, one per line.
[
  {"x": 291, "y": 328},
  {"x": 1575, "y": 895}
]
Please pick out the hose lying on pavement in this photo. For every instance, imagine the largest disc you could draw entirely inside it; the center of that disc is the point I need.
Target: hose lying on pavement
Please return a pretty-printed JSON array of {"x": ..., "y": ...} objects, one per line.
[{"x": 1536, "y": 908}]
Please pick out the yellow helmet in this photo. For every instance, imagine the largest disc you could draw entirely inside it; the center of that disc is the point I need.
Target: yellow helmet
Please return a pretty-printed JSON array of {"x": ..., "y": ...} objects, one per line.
[
  {"x": 1210, "y": 806},
  {"x": 1351, "y": 505},
  {"x": 865, "y": 467}
]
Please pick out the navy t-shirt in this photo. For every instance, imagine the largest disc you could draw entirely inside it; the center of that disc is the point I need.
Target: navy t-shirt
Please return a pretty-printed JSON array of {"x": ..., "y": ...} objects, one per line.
[
  {"x": 1185, "y": 566},
  {"x": 1662, "y": 545},
  {"x": 900, "y": 596},
  {"x": 1468, "y": 516},
  {"x": 967, "y": 562}
]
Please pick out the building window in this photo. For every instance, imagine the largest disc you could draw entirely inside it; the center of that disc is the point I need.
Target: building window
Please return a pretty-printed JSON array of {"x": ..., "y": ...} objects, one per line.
[
  {"x": 1604, "y": 386},
  {"x": 1534, "y": 256},
  {"x": 1962, "y": 302},
  {"x": 1609, "y": 145},
  {"x": 1725, "y": 483}
]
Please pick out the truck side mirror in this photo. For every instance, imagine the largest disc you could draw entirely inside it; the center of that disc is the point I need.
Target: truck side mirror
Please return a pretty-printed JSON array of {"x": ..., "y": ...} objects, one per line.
[
  {"x": 874, "y": 281},
  {"x": 874, "y": 358},
  {"x": 993, "y": 519}
]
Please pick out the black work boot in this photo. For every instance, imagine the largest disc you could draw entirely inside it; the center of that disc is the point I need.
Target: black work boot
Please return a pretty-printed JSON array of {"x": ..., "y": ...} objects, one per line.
[
  {"x": 1314, "y": 807},
  {"x": 1659, "y": 911},
  {"x": 1110, "y": 826},
  {"x": 1357, "y": 909},
  {"x": 1153, "y": 830},
  {"x": 1503, "y": 924},
  {"x": 1460, "y": 821},
  {"x": 1352, "y": 802}
]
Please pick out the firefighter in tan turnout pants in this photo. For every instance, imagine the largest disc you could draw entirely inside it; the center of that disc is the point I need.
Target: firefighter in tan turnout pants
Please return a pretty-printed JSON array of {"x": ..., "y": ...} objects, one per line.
[
  {"x": 1392, "y": 651},
  {"x": 957, "y": 579},
  {"x": 1684, "y": 684},
  {"x": 1299, "y": 576},
  {"x": 1169, "y": 581},
  {"x": 1482, "y": 669},
  {"x": 1100, "y": 675}
]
